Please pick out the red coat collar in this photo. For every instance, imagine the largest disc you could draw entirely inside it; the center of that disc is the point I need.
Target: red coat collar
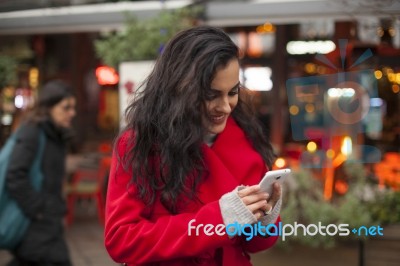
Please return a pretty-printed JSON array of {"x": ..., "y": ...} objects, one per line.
[{"x": 231, "y": 161}]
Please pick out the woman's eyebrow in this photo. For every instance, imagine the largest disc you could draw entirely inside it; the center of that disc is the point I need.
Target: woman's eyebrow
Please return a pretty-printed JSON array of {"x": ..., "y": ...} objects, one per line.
[{"x": 234, "y": 87}]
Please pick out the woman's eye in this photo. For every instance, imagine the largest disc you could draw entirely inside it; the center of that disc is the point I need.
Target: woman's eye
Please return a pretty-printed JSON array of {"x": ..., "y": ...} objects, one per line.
[
  {"x": 234, "y": 92},
  {"x": 211, "y": 96}
]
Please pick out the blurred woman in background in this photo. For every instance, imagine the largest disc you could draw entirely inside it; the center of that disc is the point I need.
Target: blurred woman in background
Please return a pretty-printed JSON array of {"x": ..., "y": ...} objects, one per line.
[{"x": 43, "y": 243}]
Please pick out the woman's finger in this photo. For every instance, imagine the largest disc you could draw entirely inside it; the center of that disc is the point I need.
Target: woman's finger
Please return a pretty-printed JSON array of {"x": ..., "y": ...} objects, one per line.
[
  {"x": 268, "y": 208},
  {"x": 249, "y": 190},
  {"x": 255, "y": 197},
  {"x": 276, "y": 194},
  {"x": 257, "y": 206},
  {"x": 258, "y": 214}
]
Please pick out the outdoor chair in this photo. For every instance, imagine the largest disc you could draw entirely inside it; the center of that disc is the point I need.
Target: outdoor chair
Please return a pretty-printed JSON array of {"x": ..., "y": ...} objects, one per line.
[{"x": 88, "y": 184}]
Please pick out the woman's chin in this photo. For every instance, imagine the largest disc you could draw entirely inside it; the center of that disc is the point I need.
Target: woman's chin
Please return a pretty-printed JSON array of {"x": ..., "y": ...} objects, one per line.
[{"x": 216, "y": 129}]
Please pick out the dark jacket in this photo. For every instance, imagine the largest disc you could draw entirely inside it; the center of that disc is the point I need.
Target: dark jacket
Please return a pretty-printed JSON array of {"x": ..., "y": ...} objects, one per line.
[{"x": 46, "y": 208}]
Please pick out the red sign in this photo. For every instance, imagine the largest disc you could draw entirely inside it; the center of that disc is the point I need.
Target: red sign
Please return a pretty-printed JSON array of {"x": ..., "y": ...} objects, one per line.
[{"x": 106, "y": 75}]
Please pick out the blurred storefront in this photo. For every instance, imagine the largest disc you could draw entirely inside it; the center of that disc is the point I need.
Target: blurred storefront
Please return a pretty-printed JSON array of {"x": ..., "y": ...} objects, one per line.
[
  {"x": 261, "y": 52},
  {"x": 55, "y": 40},
  {"x": 43, "y": 57},
  {"x": 324, "y": 77},
  {"x": 282, "y": 40},
  {"x": 279, "y": 40}
]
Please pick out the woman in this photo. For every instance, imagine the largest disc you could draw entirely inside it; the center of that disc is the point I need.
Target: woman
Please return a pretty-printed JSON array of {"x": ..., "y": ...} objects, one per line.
[
  {"x": 189, "y": 145},
  {"x": 43, "y": 243}
]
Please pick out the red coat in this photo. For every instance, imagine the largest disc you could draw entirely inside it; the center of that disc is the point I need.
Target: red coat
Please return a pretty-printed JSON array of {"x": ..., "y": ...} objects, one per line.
[{"x": 163, "y": 239}]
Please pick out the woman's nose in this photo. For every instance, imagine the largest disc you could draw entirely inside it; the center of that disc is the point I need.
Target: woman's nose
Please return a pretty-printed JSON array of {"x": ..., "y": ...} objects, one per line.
[{"x": 224, "y": 106}]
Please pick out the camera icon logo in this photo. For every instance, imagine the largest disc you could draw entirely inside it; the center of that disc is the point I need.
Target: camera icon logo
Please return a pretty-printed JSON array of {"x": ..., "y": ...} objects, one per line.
[{"x": 337, "y": 111}]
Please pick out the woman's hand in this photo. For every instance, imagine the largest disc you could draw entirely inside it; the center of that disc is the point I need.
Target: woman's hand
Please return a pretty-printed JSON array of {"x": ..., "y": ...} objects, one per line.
[
  {"x": 254, "y": 199},
  {"x": 248, "y": 205},
  {"x": 276, "y": 195},
  {"x": 259, "y": 202}
]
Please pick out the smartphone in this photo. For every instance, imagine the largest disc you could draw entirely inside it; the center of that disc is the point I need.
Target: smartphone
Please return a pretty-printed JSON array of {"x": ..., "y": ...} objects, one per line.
[{"x": 271, "y": 177}]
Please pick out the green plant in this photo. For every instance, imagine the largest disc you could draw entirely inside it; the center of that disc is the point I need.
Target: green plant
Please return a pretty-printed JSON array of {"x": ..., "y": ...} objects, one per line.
[
  {"x": 353, "y": 206},
  {"x": 143, "y": 40},
  {"x": 304, "y": 204},
  {"x": 363, "y": 205},
  {"x": 386, "y": 208},
  {"x": 8, "y": 71}
]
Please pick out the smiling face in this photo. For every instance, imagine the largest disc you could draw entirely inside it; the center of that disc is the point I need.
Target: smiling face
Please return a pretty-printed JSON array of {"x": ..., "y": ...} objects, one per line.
[
  {"x": 63, "y": 112},
  {"x": 222, "y": 97}
]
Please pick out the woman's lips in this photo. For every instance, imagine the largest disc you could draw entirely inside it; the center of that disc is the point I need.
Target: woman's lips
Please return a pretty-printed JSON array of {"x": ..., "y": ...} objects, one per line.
[{"x": 217, "y": 119}]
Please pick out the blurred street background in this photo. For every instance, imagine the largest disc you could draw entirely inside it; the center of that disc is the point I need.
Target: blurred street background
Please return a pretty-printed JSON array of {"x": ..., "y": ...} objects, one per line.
[
  {"x": 85, "y": 239},
  {"x": 323, "y": 77}
]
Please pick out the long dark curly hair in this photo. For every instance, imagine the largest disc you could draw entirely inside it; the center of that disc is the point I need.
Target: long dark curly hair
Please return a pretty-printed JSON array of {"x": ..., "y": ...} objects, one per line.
[{"x": 165, "y": 154}]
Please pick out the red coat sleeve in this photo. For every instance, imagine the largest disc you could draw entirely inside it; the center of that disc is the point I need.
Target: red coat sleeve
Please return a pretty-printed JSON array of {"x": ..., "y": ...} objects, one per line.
[{"x": 131, "y": 238}]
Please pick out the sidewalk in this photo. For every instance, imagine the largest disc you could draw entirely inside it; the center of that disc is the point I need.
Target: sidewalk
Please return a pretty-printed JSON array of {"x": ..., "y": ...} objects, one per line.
[{"x": 85, "y": 240}]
